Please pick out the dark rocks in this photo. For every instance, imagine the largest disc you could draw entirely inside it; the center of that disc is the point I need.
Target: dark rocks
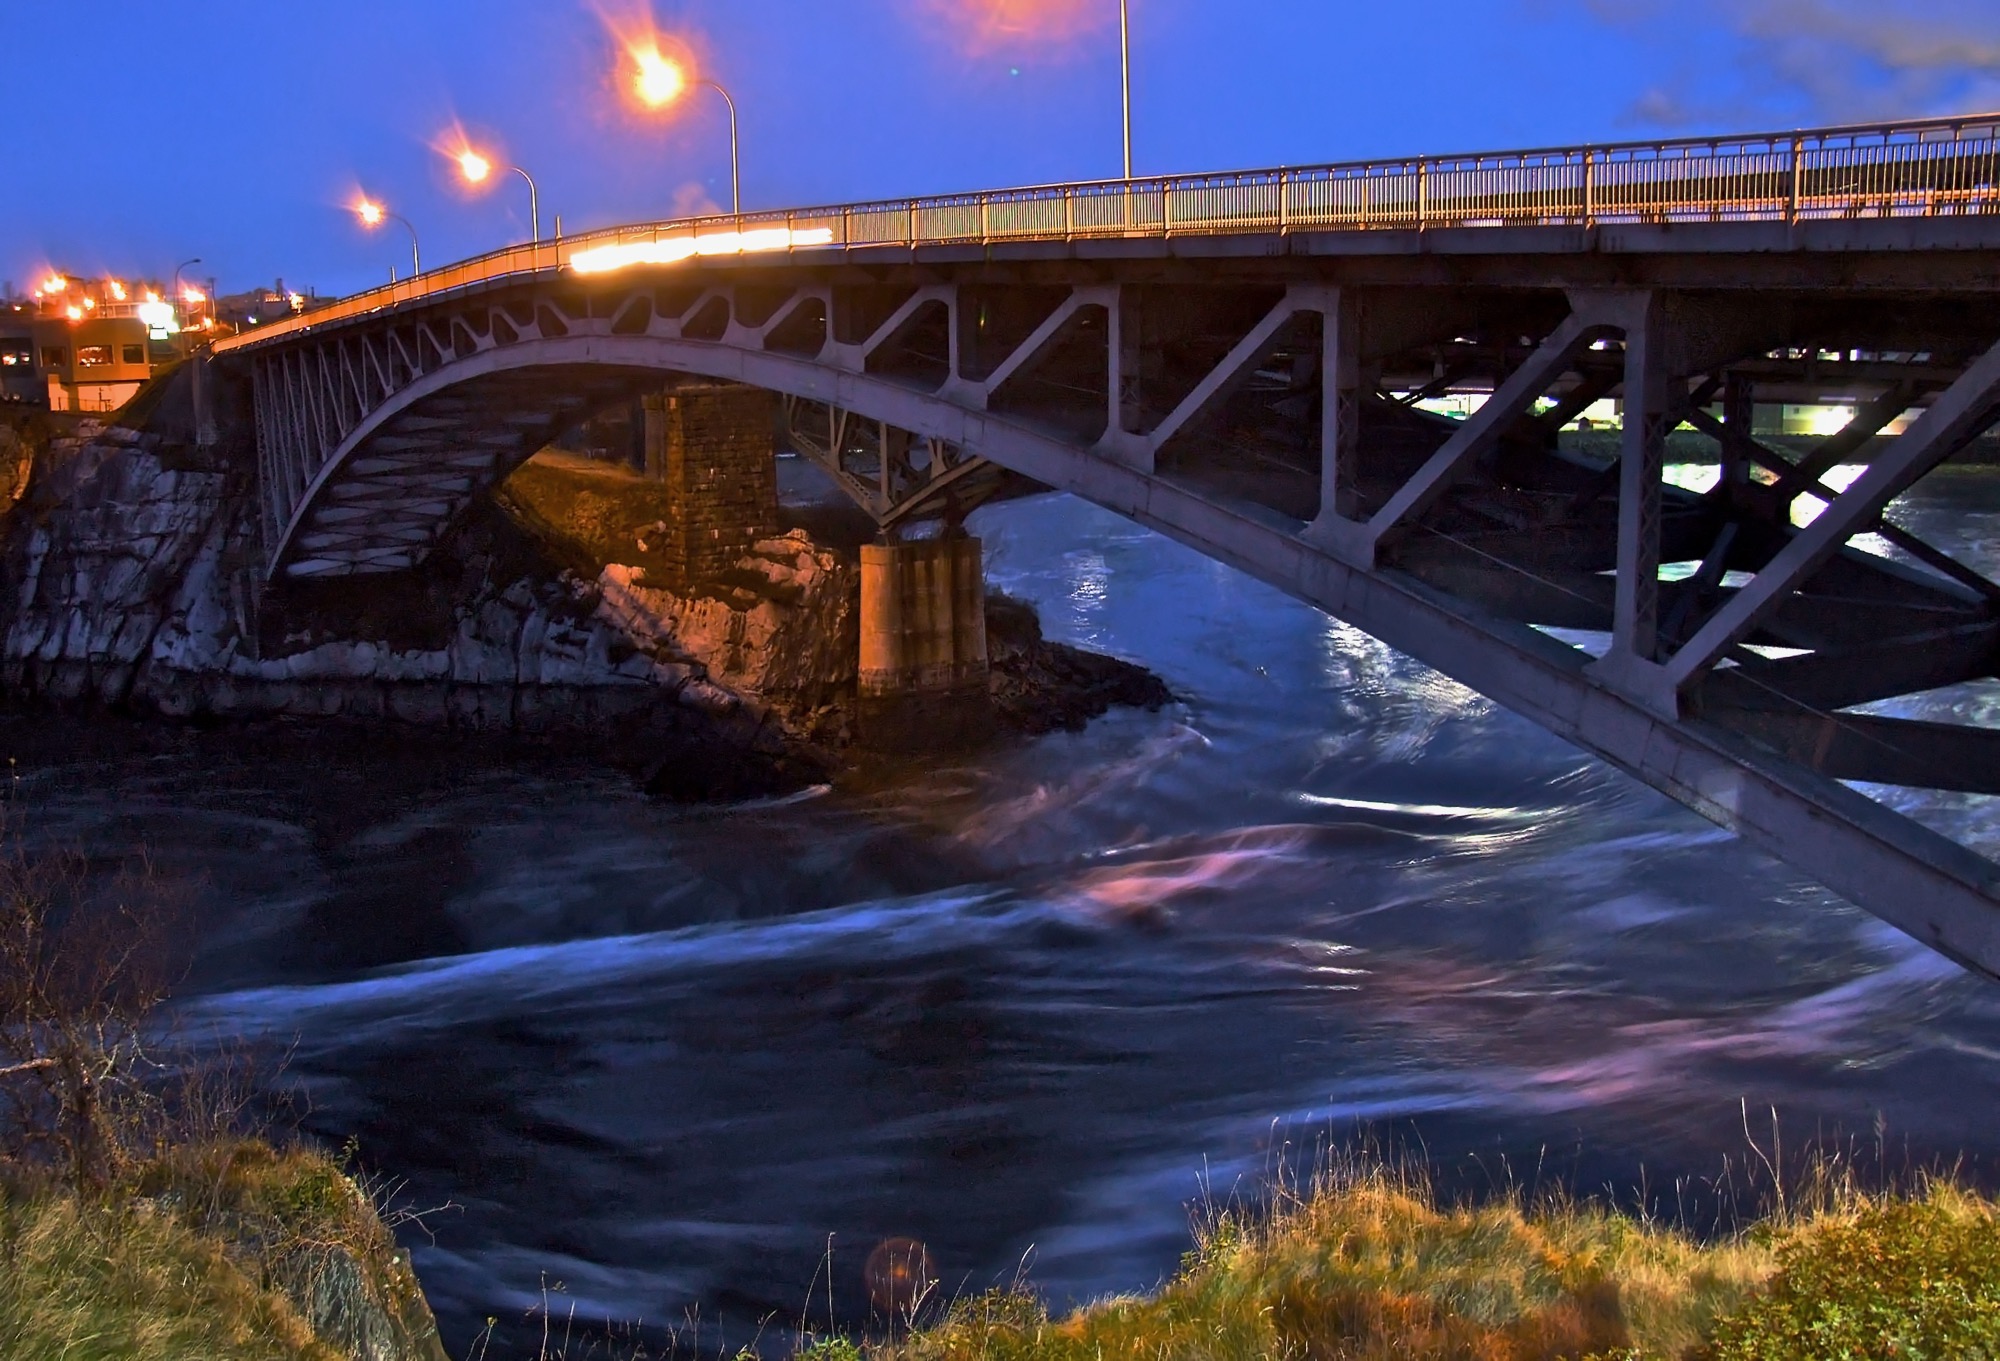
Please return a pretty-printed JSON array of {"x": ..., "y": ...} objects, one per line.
[
  {"x": 134, "y": 585},
  {"x": 1039, "y": 686}
]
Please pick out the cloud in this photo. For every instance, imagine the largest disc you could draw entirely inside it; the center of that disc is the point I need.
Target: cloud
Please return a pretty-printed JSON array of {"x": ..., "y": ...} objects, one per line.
[
  {"x": 692, "y": 199},
  {"x": 1821, "y": 60}
]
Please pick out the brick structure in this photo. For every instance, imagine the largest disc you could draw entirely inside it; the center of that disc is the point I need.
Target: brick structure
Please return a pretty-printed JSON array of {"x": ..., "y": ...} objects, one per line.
[{"x": 716, "y": 448}]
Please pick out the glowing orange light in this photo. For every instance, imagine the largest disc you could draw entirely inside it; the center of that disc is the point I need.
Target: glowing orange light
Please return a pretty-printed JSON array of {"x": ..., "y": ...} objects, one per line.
[
  {"x": 90, "y": 303},
  {"x": 473, "y": 166},
  {"x": 75, "y": 314},
  {"x": 370, "y": 212},
  {"x": 192, "y": 296},
  {"x": 982, "y": 26},
  {"x": 151, "y": 296},
  {"x": 55, "y": 283},
  {"x": 117, "y": 291},
  {"x": 657, "y": 79}
]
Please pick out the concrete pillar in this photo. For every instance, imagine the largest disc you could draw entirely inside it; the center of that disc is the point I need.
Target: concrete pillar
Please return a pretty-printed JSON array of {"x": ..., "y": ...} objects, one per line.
[
  {"x": 923, "y": 676},
  {"x": 716, "y": 449}
]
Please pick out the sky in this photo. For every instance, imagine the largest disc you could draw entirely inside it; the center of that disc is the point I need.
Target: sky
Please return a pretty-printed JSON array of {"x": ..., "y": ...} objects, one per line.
[{"x": 142, "y": 133}]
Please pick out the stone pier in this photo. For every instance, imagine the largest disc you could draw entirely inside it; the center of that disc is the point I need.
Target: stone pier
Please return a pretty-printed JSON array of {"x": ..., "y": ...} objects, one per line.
[
  {"x": 923, "y": 675},
  {"x": 715, "y": 447}
]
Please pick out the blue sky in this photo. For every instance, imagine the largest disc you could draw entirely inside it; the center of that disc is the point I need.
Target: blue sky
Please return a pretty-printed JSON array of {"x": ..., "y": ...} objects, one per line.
[{"x": 143, "y": 132}]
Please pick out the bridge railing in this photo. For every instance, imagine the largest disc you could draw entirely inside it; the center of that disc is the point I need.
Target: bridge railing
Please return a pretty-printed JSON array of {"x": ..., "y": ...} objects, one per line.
[{"x": 1921, "y": 168}]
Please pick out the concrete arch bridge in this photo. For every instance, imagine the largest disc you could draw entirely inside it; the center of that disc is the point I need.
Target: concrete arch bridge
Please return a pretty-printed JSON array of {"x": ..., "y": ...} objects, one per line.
[{"x": 1247, "y": 363}]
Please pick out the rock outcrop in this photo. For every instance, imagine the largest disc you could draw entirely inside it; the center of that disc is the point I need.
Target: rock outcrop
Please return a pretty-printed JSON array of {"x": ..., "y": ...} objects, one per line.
[
  {"x": 131, "y": 578},
  {"x": 132, "y": 584}
]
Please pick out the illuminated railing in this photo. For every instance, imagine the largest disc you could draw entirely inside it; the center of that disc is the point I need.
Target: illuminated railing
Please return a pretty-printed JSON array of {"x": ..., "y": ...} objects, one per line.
[{"x": 1926, "y": 168}]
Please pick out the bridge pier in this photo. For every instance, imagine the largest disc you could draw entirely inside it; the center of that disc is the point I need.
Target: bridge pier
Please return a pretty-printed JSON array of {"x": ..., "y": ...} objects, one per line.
[
  {"x": 715, "y": 446},
  {"x": 923, "y": 680}
]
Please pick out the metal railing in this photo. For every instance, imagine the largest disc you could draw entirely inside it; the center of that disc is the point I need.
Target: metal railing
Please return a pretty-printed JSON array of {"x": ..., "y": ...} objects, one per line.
[{"x": 1923, "y": 168}]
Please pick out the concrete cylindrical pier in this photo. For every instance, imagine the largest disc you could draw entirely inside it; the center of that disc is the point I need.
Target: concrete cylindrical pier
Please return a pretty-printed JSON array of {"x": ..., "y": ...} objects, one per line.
[{"x": 923, "y": 678}]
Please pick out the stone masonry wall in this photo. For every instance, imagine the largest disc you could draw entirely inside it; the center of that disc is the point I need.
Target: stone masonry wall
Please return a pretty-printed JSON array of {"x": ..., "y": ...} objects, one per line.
[{"x": 716, "y": 448}]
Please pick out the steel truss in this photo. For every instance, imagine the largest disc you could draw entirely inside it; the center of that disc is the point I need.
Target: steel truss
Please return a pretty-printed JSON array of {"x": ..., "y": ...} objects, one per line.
[{"x": 1271, "y": 417}]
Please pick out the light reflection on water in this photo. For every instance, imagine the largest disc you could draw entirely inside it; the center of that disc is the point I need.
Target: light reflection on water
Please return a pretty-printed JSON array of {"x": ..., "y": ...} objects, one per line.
[{"x": 1024, "y": 1005}]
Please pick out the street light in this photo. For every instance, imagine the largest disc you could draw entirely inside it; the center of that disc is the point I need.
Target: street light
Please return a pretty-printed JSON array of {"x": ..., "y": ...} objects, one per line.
[
  {"x": 659, "y": 80},
  {"x": 476, "y": 168},
  {"x": 1125, "y": 73},
  {"x": 178, "y": 297},
  {"x": 372, "y": 214}
]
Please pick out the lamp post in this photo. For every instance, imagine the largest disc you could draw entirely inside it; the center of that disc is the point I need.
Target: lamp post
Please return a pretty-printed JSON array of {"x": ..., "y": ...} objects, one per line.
[
  {"x": 1125, "y": 75},
  {"x": 660, "y": 81},
  {"x": 476, "y": 168},
  {"x": 178, "y": 297},
  {"x": 372, "y": 214}
]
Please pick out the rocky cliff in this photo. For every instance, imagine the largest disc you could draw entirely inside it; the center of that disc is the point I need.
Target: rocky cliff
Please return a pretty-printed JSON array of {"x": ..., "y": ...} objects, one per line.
[
  {"x": 131, "y": 583},
  {"x": 131, "y": 578}
]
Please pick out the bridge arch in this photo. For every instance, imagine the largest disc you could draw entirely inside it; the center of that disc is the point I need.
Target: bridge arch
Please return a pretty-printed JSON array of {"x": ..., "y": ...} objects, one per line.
[{"x": 482, "y": 400}]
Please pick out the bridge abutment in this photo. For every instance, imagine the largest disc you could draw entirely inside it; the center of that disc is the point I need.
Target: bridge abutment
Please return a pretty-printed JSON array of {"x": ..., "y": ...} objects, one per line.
[
  {"x": 923, "y": 675},
  {"x": 716, "y": 448}
]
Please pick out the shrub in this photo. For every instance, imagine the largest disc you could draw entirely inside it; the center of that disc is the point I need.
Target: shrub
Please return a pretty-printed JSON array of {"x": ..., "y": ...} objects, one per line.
[{"x": 1911, "y": 1279}]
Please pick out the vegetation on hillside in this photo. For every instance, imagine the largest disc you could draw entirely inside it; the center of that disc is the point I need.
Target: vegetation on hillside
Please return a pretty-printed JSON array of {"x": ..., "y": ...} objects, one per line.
[
  {"x": 139, "y": 1215},
  {"x": 1369, "y": 1264}
]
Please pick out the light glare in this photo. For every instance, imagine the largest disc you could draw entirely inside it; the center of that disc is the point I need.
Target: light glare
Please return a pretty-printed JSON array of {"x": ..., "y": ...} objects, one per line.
[
  {"x": 673, "y": 250},
  {"x": 659, "y": 80},
  {"x": 474, "y": 166}
]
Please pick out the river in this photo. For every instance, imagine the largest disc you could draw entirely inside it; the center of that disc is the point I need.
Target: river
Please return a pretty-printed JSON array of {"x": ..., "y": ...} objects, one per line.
[{"x": 660, "y": 1061}]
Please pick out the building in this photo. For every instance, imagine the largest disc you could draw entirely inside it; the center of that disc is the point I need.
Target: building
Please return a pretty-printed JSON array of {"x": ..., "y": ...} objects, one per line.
[
  {"x": 85, "y": 345},
  {"x": 20, "y": 380}
]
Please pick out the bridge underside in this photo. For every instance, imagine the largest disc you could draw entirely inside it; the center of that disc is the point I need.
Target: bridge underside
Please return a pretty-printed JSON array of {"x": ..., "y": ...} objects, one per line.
[{"x": 1734, "y": 647}]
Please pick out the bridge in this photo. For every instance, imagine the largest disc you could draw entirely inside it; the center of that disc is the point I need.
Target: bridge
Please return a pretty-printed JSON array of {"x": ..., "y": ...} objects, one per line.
[{"x": 1240, "y": 361}]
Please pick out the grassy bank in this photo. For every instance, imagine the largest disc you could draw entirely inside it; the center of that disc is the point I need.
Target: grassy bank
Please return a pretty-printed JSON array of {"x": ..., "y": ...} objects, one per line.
[
  {"x": 1370, "y": 1265},
  {"x": 230, "y": 1250}
]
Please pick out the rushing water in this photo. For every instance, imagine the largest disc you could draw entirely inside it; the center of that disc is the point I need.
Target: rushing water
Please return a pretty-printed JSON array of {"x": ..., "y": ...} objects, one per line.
[{"x": 1028, "y": 1007}]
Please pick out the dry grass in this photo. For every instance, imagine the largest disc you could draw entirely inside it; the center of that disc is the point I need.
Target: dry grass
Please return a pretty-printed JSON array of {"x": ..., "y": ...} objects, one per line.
[
  {"x": 1368, "y": 1264},
  {"x": 231, "y": 1250},
  {"x": 591, "y": 514},
  {"x": 137, "y": 1218}
]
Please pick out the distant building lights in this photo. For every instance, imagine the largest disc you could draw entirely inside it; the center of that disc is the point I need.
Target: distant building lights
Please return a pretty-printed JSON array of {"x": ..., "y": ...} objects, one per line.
[{"x": 159, "y": 318}]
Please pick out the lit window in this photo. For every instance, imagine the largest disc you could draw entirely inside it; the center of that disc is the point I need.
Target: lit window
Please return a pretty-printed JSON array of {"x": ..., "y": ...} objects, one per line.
[
  {"x": 16, "y": 354},
  {"x": 92, "y": 356},
  {"x": 134, "y": 354}
]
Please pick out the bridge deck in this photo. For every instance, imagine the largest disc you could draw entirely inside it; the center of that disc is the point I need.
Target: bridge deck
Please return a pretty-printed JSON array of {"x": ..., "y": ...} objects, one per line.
[{"x": 1927, "y": 185}]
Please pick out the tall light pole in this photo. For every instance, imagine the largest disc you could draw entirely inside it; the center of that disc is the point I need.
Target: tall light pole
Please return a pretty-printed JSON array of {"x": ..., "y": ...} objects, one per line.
[
  {"x": 1125, "y": 74},
  {"x": 660, "y": 81},
  {"x": 372, "y": 214},
  {"x": 476, "y": 168},
  {"x": 179, "y": 298}
]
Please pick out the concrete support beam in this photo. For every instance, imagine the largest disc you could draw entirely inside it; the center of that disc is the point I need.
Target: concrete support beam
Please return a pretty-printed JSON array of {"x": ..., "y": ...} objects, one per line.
[{"x": 923, "y": 675}]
